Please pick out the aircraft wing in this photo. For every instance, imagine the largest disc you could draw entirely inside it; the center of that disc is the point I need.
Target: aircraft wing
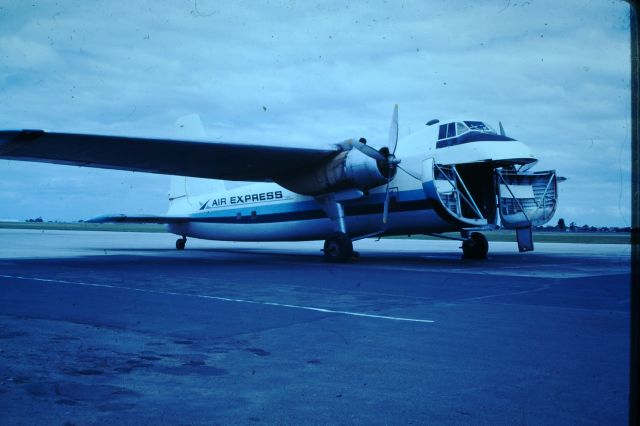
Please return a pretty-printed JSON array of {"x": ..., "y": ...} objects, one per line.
[
  {"x": 123, "y": 218},
  {"x": 213, "y": 160}
]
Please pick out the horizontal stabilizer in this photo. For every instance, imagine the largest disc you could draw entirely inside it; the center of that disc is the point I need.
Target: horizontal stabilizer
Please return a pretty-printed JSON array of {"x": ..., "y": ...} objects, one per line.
[{"x": 123, "y": 218}]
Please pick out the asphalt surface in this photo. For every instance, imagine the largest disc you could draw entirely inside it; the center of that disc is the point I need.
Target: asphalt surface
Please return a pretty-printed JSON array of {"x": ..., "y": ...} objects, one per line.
[{"x": 120, "y": 328}]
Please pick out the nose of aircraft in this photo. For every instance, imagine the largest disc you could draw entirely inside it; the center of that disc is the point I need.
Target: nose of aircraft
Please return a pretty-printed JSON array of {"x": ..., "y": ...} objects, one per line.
[{"x": 501, "y": 152}]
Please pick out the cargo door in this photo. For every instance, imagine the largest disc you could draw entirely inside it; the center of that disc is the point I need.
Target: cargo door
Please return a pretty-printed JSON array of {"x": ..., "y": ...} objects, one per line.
[
  {"x": 450, "y": 196},
  {"x": 526, "y": 200}
]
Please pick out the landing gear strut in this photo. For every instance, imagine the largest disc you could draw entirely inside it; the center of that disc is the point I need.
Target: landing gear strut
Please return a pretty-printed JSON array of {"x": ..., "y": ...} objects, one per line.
[
  {"x": 180, "y": 243},
  {"x": 475, "y": 247},
  {"x": 338, "y": 248}
]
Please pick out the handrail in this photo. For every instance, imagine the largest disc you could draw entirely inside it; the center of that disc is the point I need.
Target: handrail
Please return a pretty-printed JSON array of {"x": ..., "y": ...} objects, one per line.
[
  {"x": 453, "y": 167},
  {"x": 514, "y": 197},
  {"x": 546, "y": 189},
  {"x": 457, "y": 190}
]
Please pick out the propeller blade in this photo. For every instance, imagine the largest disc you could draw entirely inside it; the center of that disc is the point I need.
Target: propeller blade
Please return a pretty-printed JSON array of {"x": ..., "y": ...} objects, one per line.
[
  {"x": 393, "y": 131},
  {"x": 385, "y": 212},
  {"x": 367, "y": 150},
  {"x": 501, "y": 129}
]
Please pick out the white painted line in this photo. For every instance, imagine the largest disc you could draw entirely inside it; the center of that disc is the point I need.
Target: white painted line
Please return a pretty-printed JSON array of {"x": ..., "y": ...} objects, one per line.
[
  {"x": 224, "y": 299},
  {"x": 505, "y": 272},
  {"x": 535, "y": 290}
]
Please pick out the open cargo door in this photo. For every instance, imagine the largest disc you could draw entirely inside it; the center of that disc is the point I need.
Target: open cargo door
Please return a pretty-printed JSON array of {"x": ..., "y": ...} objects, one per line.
[
  {"x": 526, "y": 200},
  {"x": 451, "y": 198}
]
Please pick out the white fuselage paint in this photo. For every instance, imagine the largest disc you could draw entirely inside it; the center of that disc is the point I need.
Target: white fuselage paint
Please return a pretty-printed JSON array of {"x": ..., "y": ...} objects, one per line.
[{"x": 269, "y": 212}]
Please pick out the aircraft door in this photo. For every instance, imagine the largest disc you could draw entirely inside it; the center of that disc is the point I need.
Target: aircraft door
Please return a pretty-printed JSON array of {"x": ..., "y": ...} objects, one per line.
[
  {"x": 450, "y": 196},
  {"x": 526, "y": 199}
]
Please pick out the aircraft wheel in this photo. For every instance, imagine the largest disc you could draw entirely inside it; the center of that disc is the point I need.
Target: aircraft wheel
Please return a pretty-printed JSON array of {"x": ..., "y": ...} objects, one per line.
[
  {"x": 476, "y": 247},
  {"x": 338, "y": 248},
  {"x": 180, "y": 243}
]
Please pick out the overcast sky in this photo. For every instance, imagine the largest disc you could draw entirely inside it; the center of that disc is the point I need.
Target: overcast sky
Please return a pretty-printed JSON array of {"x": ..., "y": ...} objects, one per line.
[{"x": 307, "y": 73}]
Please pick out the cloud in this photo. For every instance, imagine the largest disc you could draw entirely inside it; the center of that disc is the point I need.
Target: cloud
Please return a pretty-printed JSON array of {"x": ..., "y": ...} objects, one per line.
[{"x": 555, "y": 73}]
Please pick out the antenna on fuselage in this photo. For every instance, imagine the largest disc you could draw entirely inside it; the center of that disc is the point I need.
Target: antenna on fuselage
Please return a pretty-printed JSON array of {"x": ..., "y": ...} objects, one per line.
[{"x": 501, "y": 128}]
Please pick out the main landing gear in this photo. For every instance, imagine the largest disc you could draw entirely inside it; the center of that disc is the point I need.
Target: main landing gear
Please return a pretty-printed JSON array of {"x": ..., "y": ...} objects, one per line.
[
  {"x": 180, "y": 243},
  {"x": 338, "y": 248},
  {"x": 475, "y": 247}
]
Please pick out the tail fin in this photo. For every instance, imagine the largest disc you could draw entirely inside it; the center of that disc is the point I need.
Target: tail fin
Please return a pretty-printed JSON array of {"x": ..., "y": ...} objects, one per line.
[{"x": 189, "y": 127}]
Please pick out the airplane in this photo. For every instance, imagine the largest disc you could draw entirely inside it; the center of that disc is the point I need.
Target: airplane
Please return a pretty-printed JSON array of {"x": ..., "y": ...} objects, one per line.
[{"x": 452, "y": 176}]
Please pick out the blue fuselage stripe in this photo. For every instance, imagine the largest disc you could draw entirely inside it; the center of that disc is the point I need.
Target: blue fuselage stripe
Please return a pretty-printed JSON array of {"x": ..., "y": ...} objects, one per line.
[{"x": 307, "y": 210}]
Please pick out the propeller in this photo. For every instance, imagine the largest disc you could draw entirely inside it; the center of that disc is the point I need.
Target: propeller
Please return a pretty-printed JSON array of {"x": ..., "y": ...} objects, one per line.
[
  {"x": 385, "y": 155},
  {"x": 393, "y": 131},
  {"x": 391, "y": 160},
  {"x": 367, "y": 150},
  {"x": 387, "y": 161}
]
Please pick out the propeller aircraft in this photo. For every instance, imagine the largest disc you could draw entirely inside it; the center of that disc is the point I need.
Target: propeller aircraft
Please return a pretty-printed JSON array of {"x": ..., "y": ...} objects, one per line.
[{"x": 455, "y": 176}]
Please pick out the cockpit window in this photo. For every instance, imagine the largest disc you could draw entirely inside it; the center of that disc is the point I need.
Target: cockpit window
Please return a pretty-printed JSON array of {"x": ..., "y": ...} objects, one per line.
[
  {"x": 461, "y": 128},
  {"x": 451, "y": 130},
  {"x": 479, "y": 126},
  {"x": 462, "y": 132},
  {"x": 442, "y": 133}
]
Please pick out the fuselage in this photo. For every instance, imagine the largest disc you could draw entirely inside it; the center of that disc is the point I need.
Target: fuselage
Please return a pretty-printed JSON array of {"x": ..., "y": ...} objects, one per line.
[{"x": 448, "y": 182}]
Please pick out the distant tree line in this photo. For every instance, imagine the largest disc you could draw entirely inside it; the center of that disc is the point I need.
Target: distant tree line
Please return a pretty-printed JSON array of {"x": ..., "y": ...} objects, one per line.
[
  {"x": 561, "y": 226},
  {"x": 39, "y": 219}
]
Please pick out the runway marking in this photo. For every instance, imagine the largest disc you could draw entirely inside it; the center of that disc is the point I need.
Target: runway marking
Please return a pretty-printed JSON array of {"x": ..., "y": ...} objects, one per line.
[
  {"x": 515, "y": 293},
  {"x": 505, "y": 272},
  {"x": 225, "y": 299}
]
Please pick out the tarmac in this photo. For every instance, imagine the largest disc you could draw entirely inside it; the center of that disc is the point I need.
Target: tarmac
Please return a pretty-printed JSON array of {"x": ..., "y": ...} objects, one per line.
[{"x": 121, "y": 328}]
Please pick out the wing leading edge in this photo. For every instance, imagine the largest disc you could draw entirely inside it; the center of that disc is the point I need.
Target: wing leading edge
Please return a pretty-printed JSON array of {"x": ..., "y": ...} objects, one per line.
[{"x": 212, "y": 160}]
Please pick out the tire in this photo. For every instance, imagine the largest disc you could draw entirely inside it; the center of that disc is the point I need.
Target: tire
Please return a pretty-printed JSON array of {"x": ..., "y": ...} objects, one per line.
[
  {"x": 338, "y": 248},
  {"x": 476, "y": 247},
  {"x": 180, "y": 243}
]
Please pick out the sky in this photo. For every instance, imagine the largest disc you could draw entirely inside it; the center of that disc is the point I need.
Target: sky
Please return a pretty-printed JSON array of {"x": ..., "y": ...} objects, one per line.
[{"x": 556, "y": 74}]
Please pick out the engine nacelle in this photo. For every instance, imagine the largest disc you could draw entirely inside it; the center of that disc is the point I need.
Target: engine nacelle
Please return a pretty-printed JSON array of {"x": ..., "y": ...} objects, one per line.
[{"x": 349, "y": 169}]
